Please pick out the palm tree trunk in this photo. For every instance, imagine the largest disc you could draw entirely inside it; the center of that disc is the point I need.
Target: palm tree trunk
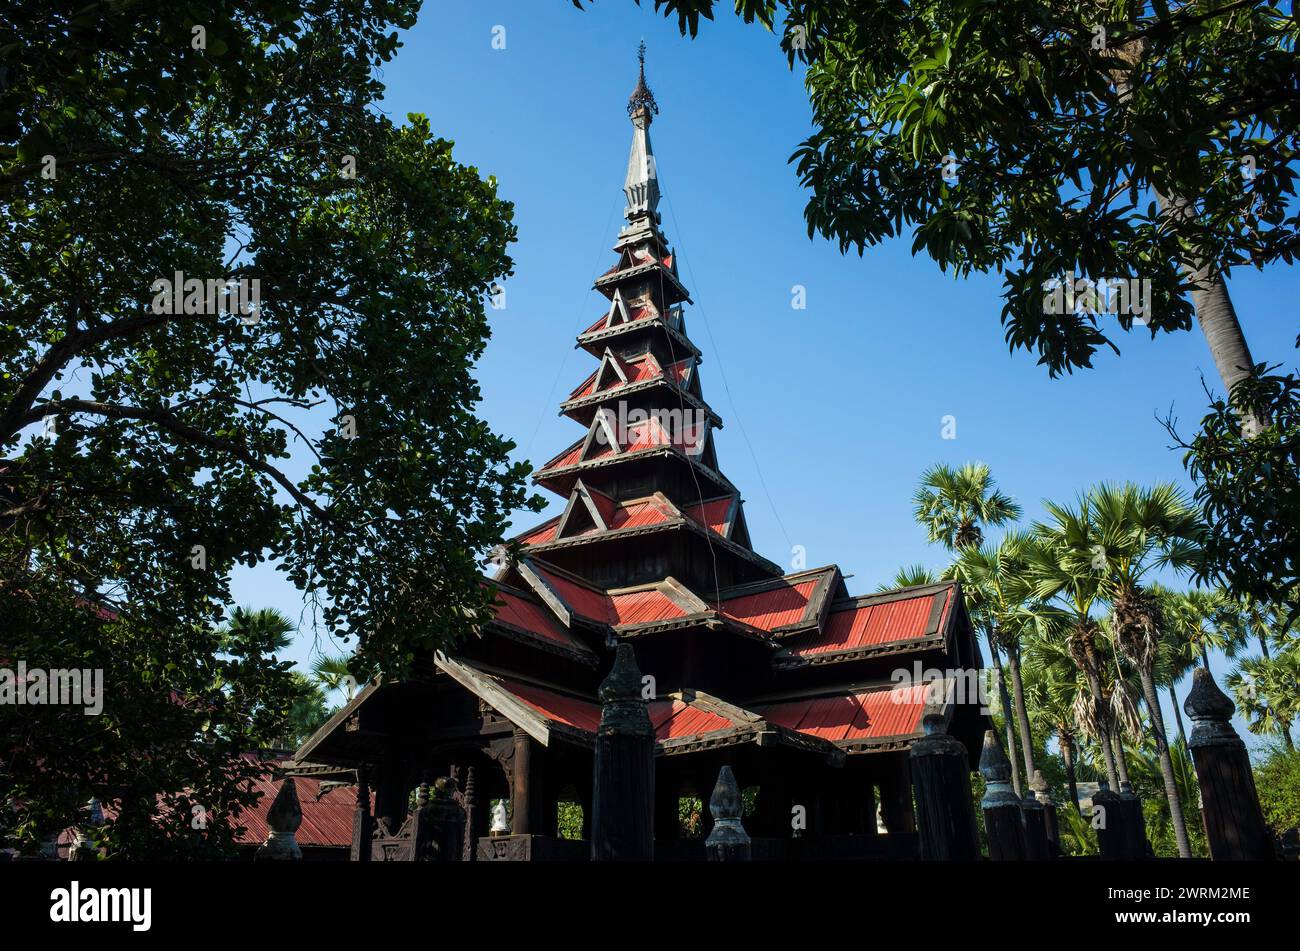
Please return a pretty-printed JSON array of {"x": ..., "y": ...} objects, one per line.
[
  {"x": 1067, "y": 753},
  {"x": 1263, "y": 646},
  {"x": 1121, "y": 763},
  {"x": 1103, "y": 728},
  {"x": 1214, "y": 312},
  {"x": 1022, "y": 713},
  {"x": 1178, "y": 716},
  {"x": 1006, "y": 719},
  {"x": 1166, "y": 763}
]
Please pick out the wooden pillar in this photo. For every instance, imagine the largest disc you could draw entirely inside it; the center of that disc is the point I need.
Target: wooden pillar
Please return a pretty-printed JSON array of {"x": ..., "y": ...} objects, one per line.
[
  {"x": 623, "y": 778},
  {"x": 945, "y": 816},
  {"x": 1043, "y": 793},
  {"x": 727, "y": 841},
  {"x": 896, "y": 796},
  {"x": 1001, "y": 806},
  {"x": 1234, "y": 823},
  {"x": 362, "y": 823},
  {"x": 526, "y": 793}
]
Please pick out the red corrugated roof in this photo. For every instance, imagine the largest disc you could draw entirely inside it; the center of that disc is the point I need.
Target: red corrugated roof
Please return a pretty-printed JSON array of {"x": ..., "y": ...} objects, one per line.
[
  {"x": 593, "y": 605},
  {"x": 777, "y": 607},
  {"x": 860, "y": 715},
  {"x": 712, "y": 514},
  {"x": 675, "y": 718},
  {"x": 671, "y": 718},
  {"x": 643, "y": 607},
  {"x": 582, "y": 714},
  {"x": 536, "y": 619},
  {"x": 326, "y": 820},
  {"x": 872, "y": 624}
]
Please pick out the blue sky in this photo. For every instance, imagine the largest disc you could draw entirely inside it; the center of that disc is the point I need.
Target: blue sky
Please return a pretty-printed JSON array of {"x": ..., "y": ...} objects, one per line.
[{"x": 842, "y": 402}]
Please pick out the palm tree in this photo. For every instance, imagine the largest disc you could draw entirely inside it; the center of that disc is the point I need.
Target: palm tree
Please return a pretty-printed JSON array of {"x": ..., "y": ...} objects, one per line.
[
  {"x": 955, "y": 505},
  {"x": 1051, "y": 684},
  {"x": 996, "y": 577},
  {"x": 1193, "y": 624},
  {"x": 332, "y": 673},
  {"x": 910, "y": 576},
  {"x": 1061, "y": 572},
  {"x": 1138, "y": 530},
  {"x": 267, "y": 629}
]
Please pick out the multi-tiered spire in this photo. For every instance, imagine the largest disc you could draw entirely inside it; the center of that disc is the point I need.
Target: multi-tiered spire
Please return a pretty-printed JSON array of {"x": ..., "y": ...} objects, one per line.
[{"x": 647, "y": 459}]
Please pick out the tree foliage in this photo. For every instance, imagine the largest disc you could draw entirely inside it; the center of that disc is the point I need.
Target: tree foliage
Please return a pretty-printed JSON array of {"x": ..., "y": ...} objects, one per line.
[
  {"x": 1036, "y": 139},
  {"x": 144, "y": 454}
]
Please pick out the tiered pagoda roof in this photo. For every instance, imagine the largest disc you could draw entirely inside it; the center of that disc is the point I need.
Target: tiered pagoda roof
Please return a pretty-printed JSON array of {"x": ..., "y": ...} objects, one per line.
[{"x": 652, "y": 545}]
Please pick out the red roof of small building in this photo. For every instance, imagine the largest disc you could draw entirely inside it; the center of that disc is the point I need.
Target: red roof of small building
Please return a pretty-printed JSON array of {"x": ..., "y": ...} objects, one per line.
[{"x": 874, "y": 714}]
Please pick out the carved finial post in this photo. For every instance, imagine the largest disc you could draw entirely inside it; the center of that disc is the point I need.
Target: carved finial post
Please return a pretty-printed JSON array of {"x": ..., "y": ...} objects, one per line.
[
  {"x": 1113, "y": 820},
  {"x": 1234, "y": 823},
  {"x": 1043, "y": 793},
  {"x": 1001, "y": 806},
  {"x": 728, "y": 841},
  {"x": 363, "y": 827},
  {"x": 473, "y": 816},
  {"x": 623, "y": 780},
  {"x": 284, "y": 818},
  {"x": 1034, "y": 817},
  {"x": 945, "y": 815},
  {"x": 439, "y": 823}
]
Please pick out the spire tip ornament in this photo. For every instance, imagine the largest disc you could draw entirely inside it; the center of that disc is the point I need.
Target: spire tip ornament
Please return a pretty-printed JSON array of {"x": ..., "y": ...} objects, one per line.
[{"x": 642, "y": 98}]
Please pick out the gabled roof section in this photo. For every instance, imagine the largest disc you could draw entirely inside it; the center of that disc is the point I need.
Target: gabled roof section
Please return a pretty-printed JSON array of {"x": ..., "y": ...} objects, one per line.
[
  {"x": 905, "y": 619},
  {"x": 523, "y": 617},
  {"x": 605, "y": 443},
  {"x": 684, "y": 721},
  {"x": 785, "y": 606}
]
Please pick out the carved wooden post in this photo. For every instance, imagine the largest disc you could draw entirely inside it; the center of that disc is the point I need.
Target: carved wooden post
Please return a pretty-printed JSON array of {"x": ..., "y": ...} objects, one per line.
[
  {"x": 284, "y": 818},
  {"x": 623, "y": 778},
  {"x": 524, "y": 794},
  {"x": 1034, "y": 817},
  {"x": 1135, "y": 823},
  {"x": 362, "y": 823},
  {"x": 728, "y": 842},
  {"x": 1001, "y": 805},
  {"x": 1234, "y": 824},
  {"x": 473, "y": 816},
  {"x": 945, "y": 815},
  {"x": 1043, "y": 793},
  {"x": 1111, "y": 820},
  {"x": 439, "y": 823}
]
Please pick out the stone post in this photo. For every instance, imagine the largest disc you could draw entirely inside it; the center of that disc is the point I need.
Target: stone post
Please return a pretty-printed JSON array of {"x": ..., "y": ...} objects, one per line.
[
  {"x": 1043, "y": 793},
  {"x": 1234, "y": 823},
  {"x": 728, "y": 841},
  {"x": 945, "y": 815},
  {"x": 284, "y": 818},
  {"x": 1001, "y": 806},
  {"x": 622, "y": 827}
]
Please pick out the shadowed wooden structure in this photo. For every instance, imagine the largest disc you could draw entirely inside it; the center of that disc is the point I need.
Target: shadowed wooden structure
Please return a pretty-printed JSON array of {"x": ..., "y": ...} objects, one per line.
[{"x": 812, "y": 696}]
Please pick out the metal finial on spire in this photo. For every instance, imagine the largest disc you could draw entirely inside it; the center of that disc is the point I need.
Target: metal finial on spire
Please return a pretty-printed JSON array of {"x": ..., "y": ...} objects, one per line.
[{"x": 642, "y": 97}]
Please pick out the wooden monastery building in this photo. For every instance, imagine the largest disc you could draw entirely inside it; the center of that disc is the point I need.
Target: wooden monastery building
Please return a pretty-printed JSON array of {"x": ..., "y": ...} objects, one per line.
[{"x": 789, "y": 679}]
